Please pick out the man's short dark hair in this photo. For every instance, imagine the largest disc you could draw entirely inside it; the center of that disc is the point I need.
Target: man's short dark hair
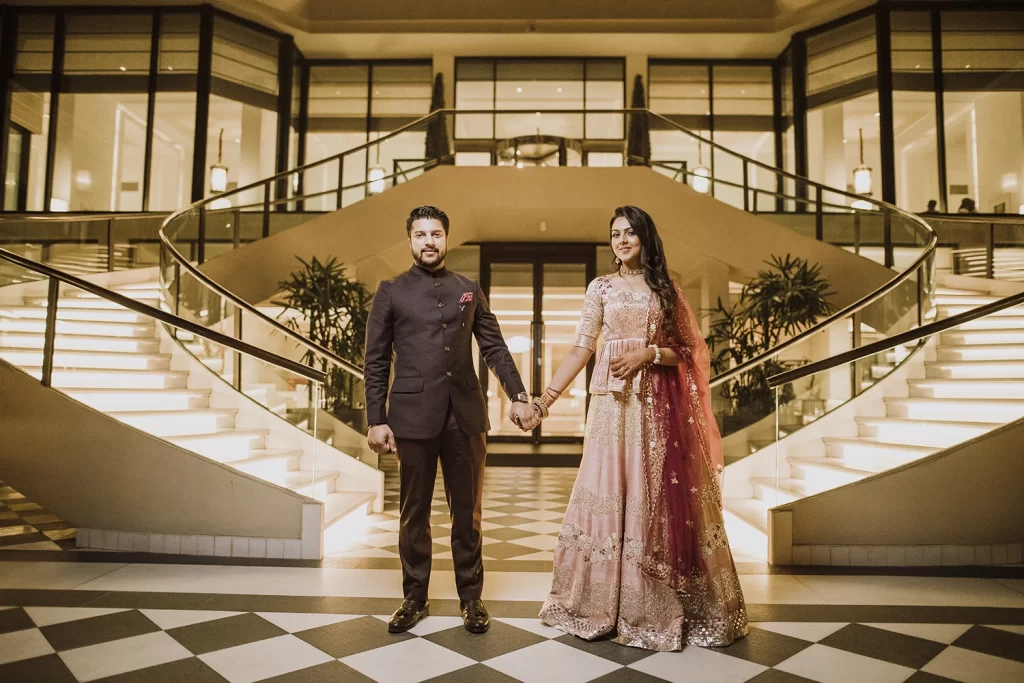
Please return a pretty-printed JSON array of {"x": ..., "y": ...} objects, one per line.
[{"x": 428, "y": 212}]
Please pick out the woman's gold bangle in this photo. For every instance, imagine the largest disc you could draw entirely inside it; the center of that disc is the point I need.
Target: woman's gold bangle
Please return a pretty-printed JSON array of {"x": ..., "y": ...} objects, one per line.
[{"x": 539, "y": 402}]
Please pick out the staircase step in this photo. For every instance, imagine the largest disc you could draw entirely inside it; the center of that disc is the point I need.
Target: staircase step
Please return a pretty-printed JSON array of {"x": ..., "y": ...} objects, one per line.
[
  {"x": 227, "y": 446},
  {"x": 960, "y": 336},
  {"x": 958, "y": 292},
  {"x": 994, "y": 411},
  {"x": 167, "y": 423},
  {"x": 1013, "y": 322},
  {"x": 966, "y": 388},
  {"x": 980, "y": 352},
  {"x": 949, "y": 310},
  {"x": 112, "y": 379},
  {"x": 79, "y": 315},
  {"x": 972, "y": 299},
  {"x": 269, "y": 465},
  {"x": 991, "y": 369},
  {"x": 79, "y": 342},
  {"x": 933, "y": 433},
  {"x": 142, "y": 400},
  {"x": 340, "y": 504},
  {"x": 88, "y": 304},
  {"x": 785, "y": 491},
  {"x": 751, "y": 510},
  {"x": 825, "y": 473},
  {"x": 95, "y": 328},
  {"x": 873, "y": 456},
  {"x": 91, "y": 360},
  {"x": 302, "y": 482}
]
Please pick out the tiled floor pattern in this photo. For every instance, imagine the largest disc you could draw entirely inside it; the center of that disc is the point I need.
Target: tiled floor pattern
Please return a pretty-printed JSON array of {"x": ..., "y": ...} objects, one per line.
[
  {"x": 25, "y": 525},
  {"x": 522, "y": 514},
  {"x": 57, "y": 644}
]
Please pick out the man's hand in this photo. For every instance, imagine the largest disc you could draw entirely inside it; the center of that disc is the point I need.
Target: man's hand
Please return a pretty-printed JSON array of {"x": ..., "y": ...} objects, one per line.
[
  {"x": 628, "y": 364},
  {"x": 381, "y": 440},
  {"x": 525, "y": 415}
]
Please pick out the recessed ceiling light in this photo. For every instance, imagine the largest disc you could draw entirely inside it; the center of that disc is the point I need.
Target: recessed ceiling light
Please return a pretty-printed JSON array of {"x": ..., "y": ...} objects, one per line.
[
  {"x": 844, "y": 141},
  {"x": 519, "y": 90},
  {"x": 170, "y": 68},
  {"x": 877, "y": 114},
  {"x": 559, "y": 90},
  {"x": 238, "y": 140},
  {"x": 967, "y": 66},
  {"x": 123, "y": 69}
]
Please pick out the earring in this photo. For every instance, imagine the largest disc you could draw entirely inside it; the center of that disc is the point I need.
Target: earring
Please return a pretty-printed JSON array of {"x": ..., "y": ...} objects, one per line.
[{"x": 618, "y": 261}]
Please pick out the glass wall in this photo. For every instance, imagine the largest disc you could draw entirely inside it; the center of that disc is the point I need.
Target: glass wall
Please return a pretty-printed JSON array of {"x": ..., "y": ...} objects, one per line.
[
  {"x": 101, "y": 126},
  {"x": 730, "y": 104},
  {"x": 30, "y": 112},
  {"x": 548, "y": 93},
  {"x": 843, "y": 127},
  {"x": 983, "y": 80},
  {"x": 174, "y": 112}
]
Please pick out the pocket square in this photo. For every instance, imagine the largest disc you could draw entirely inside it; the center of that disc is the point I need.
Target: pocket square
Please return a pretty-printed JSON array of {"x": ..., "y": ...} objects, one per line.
[{"x": 467, "y": 297}]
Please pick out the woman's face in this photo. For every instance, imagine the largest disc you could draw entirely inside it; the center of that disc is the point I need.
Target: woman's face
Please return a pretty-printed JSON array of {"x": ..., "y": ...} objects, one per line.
[{"x": 625, "y": 241}]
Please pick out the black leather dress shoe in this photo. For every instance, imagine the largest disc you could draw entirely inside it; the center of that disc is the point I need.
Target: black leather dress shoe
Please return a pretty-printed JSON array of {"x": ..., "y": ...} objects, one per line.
[
  {"x": 475, "y": 617},
  {"x": 406, "y": 616}
]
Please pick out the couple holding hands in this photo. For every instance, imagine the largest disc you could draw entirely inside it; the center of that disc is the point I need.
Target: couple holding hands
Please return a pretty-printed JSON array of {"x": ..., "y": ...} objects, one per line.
[{"x": 642, "y": 555}]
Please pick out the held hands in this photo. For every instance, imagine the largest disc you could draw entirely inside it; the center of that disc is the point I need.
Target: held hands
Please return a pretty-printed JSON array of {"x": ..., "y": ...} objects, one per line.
[
  {"x": 628, "y": 364},
  {"x": 525, "y": 416},
  {"x": 382, "y": 440}
]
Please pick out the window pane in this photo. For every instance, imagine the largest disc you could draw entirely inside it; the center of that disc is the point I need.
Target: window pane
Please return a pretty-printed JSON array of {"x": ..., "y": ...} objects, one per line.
[
  {"x": 244, "y": 57},
  {"x": 681, "y": 92},
  {"x": 249, "y": 149},
  {"x": 401, "y": 92},
  {"x": 30, "y": 102},
  {"x": 842, "y": 59},
  {"x": 983, "y": 73},
  {"x": 833, "y": 146},
  {"x": 101, "y": 127},
  {"x": 917, "y": 160}
]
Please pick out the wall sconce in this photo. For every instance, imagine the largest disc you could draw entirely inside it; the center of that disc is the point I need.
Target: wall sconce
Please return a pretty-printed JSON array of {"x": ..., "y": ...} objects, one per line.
[
  {"x": 219, "y": 172},
  {"x": 862, "y": 174},
  {"x": 699, "y": 180}
]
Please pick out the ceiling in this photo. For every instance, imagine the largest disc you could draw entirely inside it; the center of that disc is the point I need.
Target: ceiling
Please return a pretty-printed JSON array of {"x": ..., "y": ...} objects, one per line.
[{"x": 416, "y": 29}]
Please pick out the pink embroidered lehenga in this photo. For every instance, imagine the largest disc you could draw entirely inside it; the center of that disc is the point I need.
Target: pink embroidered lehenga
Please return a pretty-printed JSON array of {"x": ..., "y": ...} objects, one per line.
[{"x": 643, "y": 551}]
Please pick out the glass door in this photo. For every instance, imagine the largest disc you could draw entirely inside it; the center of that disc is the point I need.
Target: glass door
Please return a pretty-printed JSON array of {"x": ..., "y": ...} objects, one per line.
[{"x": 536, "y": 292}]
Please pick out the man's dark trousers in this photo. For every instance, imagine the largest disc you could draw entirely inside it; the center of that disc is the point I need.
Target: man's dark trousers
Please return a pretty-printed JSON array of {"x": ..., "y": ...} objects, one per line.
[{"x": 462, "y": 459}]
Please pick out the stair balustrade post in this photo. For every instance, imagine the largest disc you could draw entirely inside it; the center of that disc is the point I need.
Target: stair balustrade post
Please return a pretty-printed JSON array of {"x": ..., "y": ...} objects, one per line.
[
  {"x": 819, "y": 215},
  {"x": 887, "y": 235},
  {"x": 341, "y": 178},
  {"x": 50, "y": 332},
  {"x": 855, "y": 340},
  {"x": 746, "y": 187},
  {"x": 266, "y": 209},
  {"x": 201, "y": 236},
  {"x": 236, "y": 234},
  {"x": 238, "y": 354},
  {"x": 110, "y": 245},
  {"x": 990, "y": 252}
]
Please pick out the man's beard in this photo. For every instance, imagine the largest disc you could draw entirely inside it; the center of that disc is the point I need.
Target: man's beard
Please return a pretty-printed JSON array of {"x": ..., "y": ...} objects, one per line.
[{"x": 431, "y": 261}]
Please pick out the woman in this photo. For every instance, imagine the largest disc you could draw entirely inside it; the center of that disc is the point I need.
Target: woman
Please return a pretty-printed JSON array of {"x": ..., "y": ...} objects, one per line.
[{"x": 642, "y": 550}]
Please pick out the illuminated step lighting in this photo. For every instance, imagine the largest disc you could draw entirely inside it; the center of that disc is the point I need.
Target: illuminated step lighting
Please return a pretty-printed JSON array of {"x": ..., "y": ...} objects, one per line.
[
  {"x": 225, "y": 446},
  {"x": 992, "y": 411},
  {"x": 976, "y": 370},
  {"x": 88, "y": 360},
  {"x": 1015, "y": 336},
  {"x": 79, "y": 343},
  {"x": 107, "y": 379},
  {"x": 873, "y": 456},
  {"x": 980, "y": 388},
  {"x": 302, "y": 482},
  {"x": 188, "y": 422},
  {"x": 994, "y": 323},
  {"x": 822, "y": 474},
  {"x": 979, "y": 352},
  {"x": 272, "y": 468},
  {"x": 87, "y": 315},
  {"x": 919, "y": 432},
  {"x": 78, "y": 303},
  {"x": 115, "y": 400}
]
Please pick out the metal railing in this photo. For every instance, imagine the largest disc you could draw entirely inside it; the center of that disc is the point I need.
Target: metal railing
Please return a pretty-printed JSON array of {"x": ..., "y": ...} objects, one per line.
[
  {"x": 56, "y": 277},
  {"x": 341, "y": 179}
]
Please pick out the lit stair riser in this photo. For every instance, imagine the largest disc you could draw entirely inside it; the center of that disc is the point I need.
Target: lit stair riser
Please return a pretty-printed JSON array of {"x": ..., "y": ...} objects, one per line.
[
  {"x": 993, "y": 412},
  {"x": 975, "y": 370},
  {"x": 966, "y": 389},
  {"x": 110, "y": 401},
  {"x": 914, "y": 433},
  {"x": 224, "y": 447},
  {"x": 178, "y": 424},
  {"x": 87, "y": 360},
  {"x": 79, "y": 343}
]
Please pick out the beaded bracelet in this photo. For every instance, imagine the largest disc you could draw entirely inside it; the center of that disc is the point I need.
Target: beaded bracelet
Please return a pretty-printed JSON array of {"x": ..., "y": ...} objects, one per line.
[
  {"x": 541, "y": 406},
  {"x": 657, "y": 354}
]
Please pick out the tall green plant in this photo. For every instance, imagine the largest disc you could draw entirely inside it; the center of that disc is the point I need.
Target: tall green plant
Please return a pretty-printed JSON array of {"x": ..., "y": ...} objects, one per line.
[
  {"x": 778, "y": 303},
  {"x": 335, "y": 308},
  {"x": 638, "y": 144}
]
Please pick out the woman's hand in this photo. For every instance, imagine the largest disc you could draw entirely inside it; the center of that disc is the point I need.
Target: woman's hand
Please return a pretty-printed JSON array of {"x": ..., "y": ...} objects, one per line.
[{"x": 628, "y": 364}]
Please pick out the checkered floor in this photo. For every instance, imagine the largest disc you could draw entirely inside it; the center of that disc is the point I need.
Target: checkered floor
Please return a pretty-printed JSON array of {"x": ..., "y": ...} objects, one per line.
[
  {"x": 25, "y": 525},
  {"x": 522, "y": 514},
  {"x": 57, "y": 644}
]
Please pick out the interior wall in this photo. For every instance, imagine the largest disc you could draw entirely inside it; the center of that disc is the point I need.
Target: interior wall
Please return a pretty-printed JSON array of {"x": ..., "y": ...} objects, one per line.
[
  {"x": 92, "y": 470},
  {"x": 498, "y": 204}
]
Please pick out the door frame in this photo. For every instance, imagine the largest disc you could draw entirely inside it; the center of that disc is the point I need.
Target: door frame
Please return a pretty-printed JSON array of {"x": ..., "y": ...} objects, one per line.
[{"x": 536, "y": 254}]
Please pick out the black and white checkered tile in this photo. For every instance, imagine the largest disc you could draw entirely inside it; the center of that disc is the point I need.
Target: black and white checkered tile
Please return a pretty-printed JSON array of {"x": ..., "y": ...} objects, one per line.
[
  {"x": 57, "y": 644},
  {"x": 25, "y": 525},
  {"x": 522, "y": 514}
]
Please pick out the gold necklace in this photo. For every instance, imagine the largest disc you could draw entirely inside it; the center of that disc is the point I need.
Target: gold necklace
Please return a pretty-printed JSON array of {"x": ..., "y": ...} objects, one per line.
[{"x": 624, "y": 271}]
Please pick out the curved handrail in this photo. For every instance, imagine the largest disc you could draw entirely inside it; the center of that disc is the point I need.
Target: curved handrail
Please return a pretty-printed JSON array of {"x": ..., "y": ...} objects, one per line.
[
  {"x": 165, "y": 317},
  {"x": 901, "y": 339},
  {"x": 356, "y": 371}
]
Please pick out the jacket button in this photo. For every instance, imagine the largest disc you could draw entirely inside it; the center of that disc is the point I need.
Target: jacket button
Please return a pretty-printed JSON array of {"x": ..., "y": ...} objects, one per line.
[
  {"x": 448, "y": 373},
  {"x": 440, "y": 305},
  {"x": 447, "y": 348},
  {"x": 437, "y": 284},
  {"x": 444, "y": 326}
]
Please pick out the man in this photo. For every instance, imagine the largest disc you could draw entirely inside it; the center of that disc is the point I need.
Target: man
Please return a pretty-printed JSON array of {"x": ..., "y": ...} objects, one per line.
[{"x": 427, "y": 318}]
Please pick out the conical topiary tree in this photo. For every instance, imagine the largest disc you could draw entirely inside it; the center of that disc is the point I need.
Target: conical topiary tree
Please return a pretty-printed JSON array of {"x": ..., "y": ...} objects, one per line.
[
  {"x": 638, "y": 143},
  {"x": 437, "y": 147}
]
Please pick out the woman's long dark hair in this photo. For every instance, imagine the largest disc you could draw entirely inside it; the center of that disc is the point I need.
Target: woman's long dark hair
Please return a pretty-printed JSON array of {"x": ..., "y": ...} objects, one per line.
[{"x": 652, "y": 260}]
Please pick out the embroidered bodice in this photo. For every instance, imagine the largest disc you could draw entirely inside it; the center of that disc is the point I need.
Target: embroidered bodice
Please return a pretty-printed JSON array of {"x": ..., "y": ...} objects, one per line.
[{"x": 620, "y": 318}]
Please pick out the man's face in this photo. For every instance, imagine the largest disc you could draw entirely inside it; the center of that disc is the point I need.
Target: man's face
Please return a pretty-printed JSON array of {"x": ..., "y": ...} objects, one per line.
[{"x": 428, "y": 242}]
